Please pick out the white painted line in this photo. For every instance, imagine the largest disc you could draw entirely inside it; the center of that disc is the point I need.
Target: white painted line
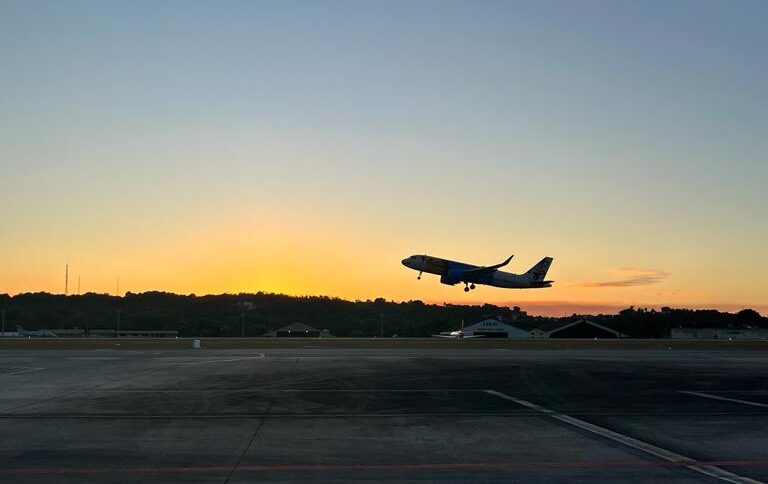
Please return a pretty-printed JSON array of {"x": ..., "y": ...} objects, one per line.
[
  {"x": 285, "y": 390},
  {"x": 94, "y": 358},
  {"x": 707, "y": 470},
  {"x": 237, "y": 359},
  {"x": 106, "y": 416},
  {"x": 21, "y": 370},
  {"x": 345, "y": 357},
  {"x": 727, "y": 399},
  {"x": 204, "y": 361},
  {"x": 744, "y": 392}
]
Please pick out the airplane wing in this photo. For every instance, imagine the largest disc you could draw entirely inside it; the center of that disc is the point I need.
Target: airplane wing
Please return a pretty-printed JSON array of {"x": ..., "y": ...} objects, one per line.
[
  {"x": 480, "y": 271},
  {"x": 474, "y": 336},
  {"x": 443, "y": 336}
]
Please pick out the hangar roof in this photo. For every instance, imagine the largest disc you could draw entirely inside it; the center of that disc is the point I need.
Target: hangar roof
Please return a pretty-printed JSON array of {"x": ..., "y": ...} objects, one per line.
[
  {"x": 491, "y": 324},
  {"x": 559, "y": 326}
]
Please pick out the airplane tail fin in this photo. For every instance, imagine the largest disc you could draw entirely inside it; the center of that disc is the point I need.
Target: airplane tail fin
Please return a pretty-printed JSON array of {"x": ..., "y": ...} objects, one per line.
[{"x": 538, "y": 272}]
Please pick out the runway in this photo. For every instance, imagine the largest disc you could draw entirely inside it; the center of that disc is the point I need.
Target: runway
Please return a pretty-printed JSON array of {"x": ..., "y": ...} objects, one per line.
[{"x": 368, "y": 415}]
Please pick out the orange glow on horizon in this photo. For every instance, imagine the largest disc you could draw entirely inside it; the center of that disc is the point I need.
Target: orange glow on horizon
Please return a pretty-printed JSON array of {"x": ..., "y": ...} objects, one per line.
[{"x": 294, "y": 252}]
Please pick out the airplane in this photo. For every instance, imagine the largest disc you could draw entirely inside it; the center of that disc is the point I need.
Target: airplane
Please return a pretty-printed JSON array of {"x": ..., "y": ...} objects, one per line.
[
  {"x": 456, "y": 334},
  {"x": 452, "y": 273},
  {"x": 26, "y": 333}
]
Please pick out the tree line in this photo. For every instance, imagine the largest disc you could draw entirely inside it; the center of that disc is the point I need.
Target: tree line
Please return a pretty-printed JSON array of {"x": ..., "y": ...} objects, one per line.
[{"x": 255, "y": 314}]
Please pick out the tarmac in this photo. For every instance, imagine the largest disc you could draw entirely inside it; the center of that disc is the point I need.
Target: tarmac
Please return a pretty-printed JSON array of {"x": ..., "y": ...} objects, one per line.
[{"x": 324, "y": 414}]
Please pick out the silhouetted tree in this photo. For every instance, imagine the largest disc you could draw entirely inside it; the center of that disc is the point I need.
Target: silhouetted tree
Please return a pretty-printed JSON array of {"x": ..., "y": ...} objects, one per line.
[{"x": 219, "y": 315}]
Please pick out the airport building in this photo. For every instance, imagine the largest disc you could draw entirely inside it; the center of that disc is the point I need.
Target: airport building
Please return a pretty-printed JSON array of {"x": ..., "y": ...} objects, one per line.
[
  {"x": 581, "y": 328},
  {"x": 718, "y": 333},
  {"x": 111, "y": 333},
  {"x": 493, "y": 328},
  {"x": 66, "y": 333},
  {"x": 298, "y": 330}
]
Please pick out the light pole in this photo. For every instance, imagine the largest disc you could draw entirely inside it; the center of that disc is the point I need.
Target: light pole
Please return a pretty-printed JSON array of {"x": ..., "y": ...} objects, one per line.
[{"x": 243, "y": 307}]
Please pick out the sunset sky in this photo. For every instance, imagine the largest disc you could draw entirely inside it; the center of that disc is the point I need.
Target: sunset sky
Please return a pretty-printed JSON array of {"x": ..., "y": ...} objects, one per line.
[{"x": 306, "y": 147}]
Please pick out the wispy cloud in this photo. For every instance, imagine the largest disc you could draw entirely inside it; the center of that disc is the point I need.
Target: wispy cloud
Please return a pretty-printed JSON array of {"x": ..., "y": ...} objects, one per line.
[
  {"x": 676, "y": 293},
  {"x": 631, "y": 277}
]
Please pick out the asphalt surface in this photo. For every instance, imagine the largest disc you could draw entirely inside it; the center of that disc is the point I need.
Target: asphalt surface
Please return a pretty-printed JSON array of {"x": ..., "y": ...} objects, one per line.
[{"x": 372, "y": 415}]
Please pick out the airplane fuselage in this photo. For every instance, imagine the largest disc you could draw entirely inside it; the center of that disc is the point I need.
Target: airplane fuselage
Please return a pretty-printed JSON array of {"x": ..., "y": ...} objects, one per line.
[{"x": 453, "y": 272}]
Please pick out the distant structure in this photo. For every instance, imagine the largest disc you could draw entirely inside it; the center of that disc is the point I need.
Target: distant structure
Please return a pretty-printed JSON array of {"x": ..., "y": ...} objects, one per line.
[
  {"x": 298, "y": 330},
  {"x": 493, "y": 328},
  {"x": 718, "y": 333},
  {"x": 581, "y": 328},
  {"x": 66, "y": 333},
  {"x": 33, "y": 333},
  {"x": 111, "y": 333}
]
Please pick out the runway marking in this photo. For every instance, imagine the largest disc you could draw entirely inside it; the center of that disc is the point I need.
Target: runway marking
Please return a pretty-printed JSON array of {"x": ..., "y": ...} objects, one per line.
[
  {"x": 94, "y": 358},
  {"x": 21, "y": 369},
  {"x": 286, "y": 390},
  {"x": 206, "y": 416},
  {"x": 727, "y": 399},
  {"x": 706, "y": 469},
  {"x": 218, "y": 361},
  {"x": 107, "y": 416},
  {"x": 746, "y": 392},
  {"x": 447, "y": 466}
]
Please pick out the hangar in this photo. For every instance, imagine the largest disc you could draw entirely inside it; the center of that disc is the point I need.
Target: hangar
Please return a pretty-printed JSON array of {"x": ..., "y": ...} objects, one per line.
[
  {"x": 581, "y": 328},
  {"x": 493, "y": 328}
]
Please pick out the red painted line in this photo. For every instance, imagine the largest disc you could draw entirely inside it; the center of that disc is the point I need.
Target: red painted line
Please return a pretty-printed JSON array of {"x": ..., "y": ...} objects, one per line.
[{"x": 32, "y": 471}]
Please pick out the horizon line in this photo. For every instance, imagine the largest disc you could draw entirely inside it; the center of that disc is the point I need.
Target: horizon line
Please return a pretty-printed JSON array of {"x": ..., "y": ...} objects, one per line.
[{"x": 554, "y": 308}]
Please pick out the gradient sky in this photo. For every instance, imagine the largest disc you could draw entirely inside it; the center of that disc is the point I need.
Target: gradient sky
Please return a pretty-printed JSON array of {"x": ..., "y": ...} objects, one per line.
[{"x": 307, "y": 147}]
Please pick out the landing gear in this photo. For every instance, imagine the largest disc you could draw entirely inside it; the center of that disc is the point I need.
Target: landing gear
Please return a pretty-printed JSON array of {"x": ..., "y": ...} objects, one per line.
[
  {"x": 471, "y": 286},
  {"x": 468, "y": 286},
  {"x": 419, "y": 276}
]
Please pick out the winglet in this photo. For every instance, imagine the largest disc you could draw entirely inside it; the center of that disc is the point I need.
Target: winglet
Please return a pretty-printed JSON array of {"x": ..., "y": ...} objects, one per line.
[
  {"x": 486, "y": 270},
  {"x": 496, "y": 266}
]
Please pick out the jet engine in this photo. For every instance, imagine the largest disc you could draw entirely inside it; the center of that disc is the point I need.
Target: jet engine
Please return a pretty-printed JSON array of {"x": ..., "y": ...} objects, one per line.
[{"x": 452, "y": 277}]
